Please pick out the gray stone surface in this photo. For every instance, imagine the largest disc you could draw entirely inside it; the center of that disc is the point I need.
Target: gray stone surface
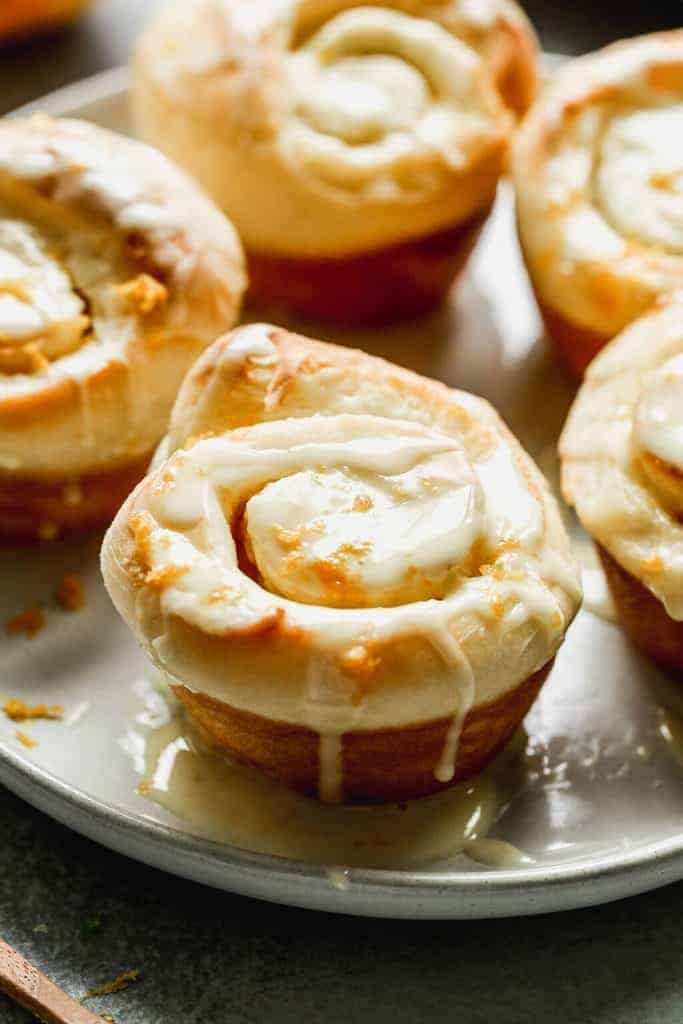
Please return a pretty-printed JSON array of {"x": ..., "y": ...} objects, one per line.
[{"x": 83, "y": 914}]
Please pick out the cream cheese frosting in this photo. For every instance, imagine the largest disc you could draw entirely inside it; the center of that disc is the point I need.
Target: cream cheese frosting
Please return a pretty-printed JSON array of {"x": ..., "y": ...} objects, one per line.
[
  {"x": 106, "y": 254},
  {"x": 391, "y": 537},
  {"x": 37, "y": 298},
  {"x": 329, "y": 128},
  {"x": 622, "y": 452},
  {"x": 598, "y": 170}
]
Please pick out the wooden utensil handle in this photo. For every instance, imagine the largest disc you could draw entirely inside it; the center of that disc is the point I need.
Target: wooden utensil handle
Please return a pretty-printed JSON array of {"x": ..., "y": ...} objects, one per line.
[{"x": 31, "y": 989}]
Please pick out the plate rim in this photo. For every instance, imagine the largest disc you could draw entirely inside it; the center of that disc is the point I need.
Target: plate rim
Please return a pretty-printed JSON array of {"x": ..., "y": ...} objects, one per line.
[
  {"x": 370, "y": 891},
  {"x": 518, "y": 892}
]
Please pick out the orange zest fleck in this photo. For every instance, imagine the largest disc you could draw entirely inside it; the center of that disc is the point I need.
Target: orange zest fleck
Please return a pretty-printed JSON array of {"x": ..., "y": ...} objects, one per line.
[
  {"x": 70, "y": 593},
  {"x": 362, "y": 503},
  {"x": 18, "y": 711},
  {"x": 30, "y": 621},
  {"x": 25, "y": 739},
  {"x": 359, "y": 661},
  {"x": 144, "y": 293},
  {"x": 159, "y": 579}
]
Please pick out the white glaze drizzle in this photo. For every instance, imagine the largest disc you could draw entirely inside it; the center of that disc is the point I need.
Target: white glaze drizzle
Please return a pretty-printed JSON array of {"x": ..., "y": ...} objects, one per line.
[
  {"x": 36, "y": 295},
  {"x": 331, "y": 768},
  {"x": 465, "y": 695}
]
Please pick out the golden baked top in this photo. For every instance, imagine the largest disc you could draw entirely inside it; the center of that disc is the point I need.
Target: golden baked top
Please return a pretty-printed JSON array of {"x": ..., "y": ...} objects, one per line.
[
  {"x": 622, "y": 452},
  {"x": 110, "y": 259},
  {"x": 333, "y": 127},
  {"x": 334, "y": 541},
  {"x": 598, "y": 169}
]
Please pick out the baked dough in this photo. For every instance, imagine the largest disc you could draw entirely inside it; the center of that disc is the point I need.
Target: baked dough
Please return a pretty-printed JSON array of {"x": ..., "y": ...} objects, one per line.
[
  {"x": 598, "y": 170},
  {"x": 357, "y": 147},
  {"x": 353, "y": 576},
  {"x": 115, "y": 273},
  {"x": 622, "y": 469}
]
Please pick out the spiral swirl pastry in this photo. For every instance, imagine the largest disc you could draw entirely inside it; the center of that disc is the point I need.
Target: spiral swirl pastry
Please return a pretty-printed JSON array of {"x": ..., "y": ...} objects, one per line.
[
  {"x": 356, "y": 146},
  {"x": 598, "y": 170},
  {"x": 353, "y": 576},
  {"x": 622, "y": 469},
  {"x": 115, "y": 273}
]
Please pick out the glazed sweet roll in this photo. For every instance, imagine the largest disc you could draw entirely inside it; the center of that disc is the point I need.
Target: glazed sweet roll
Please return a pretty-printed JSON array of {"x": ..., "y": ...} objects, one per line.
[
  {"x": 354, "y": 577},
  {"x": 598, "y": 169},
  {"x": 115, "y": 273},
  {"x": 622, "y": 469},
  {"x": 357, "y": 147}
]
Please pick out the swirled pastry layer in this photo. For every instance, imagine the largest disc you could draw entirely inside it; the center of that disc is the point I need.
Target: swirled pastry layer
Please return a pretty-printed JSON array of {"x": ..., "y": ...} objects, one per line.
[
  {"x": 333, "y": 128},
  {"x": 331, "y": 541},
  {"x": 115, "y": 272},
  {"x": 598, "y": 169},
  {"x": 622, "y": 452}
]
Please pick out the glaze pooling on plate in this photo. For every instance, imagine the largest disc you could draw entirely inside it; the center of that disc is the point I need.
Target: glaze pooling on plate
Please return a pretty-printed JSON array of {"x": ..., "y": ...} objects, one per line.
[{"x": 235, "y": 804}]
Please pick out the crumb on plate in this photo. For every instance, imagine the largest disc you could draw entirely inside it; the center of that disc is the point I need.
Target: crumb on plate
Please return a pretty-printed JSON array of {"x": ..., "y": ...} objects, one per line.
[
  {"x": 30, "y": 621},
  {"x": 19, "y": 711},
  {"x": 70, "y": 593},
  {"x": 25, "y": 739}
]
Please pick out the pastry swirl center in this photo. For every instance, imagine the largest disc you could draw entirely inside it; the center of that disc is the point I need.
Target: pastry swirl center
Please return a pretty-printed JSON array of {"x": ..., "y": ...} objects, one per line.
[
  {"x": 335, "y": 511},
  {"x": 360, "y": 99},
  {"x": 42, "y": 317},
  {"x": 639, "y": 177},
  {"x": 385, "y": 101},
  {"x": 350, "y": 537}
]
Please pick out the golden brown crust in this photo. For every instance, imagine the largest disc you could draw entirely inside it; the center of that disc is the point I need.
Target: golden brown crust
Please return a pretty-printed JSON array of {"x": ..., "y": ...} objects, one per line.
[
  {"x": 513, "y": 60},
  {"x": 378, "y": 764},
  {"x": 36, "y": 509},
  {"x": 395, "y": 283},
  {"x": 644, "y": 617},
  {"x": 574, "y": 345}
]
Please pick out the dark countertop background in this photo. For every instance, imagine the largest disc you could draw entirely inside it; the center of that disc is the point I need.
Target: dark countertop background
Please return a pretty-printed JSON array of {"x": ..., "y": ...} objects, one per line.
[{"x": 83, "y": 914}]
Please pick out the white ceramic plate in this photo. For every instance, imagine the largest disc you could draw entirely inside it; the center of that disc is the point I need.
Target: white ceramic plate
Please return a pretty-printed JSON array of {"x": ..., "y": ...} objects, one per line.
[{"x": 599, "y": 805}]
